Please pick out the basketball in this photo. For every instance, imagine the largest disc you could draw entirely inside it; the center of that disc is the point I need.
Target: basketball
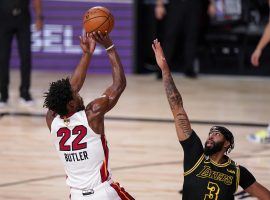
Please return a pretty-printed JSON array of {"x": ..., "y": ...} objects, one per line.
[{"x": 98, "y": 19}]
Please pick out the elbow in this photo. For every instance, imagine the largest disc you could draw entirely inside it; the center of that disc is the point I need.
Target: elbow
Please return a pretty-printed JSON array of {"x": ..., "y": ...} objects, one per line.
[
  {"x": 122, "y": 86},
  {"x": 124, "y": 83},
  {"x": 119, "y": 85}
]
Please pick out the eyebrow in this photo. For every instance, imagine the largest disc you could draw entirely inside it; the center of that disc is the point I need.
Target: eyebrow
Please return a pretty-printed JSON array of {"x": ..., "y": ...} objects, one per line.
[{"x": 214, "y": 131}]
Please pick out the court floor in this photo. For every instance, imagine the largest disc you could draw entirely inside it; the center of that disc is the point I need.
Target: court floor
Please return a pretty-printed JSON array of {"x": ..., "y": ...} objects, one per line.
[{"x": 145, "y": 156}]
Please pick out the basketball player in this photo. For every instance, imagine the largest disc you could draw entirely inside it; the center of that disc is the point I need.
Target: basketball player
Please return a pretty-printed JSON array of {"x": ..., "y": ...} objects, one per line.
[
  {"x": 262, "y": 136},
  {"x": 78, "y": 131},
  {"x": 208, "y": 172}
]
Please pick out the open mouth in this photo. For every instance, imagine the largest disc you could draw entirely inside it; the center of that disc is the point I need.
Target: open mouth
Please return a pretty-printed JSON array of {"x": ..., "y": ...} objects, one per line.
[{"x": 209, "y": 143}]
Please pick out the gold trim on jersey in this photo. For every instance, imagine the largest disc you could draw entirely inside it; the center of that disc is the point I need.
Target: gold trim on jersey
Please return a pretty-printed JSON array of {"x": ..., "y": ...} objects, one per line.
[
  {"x": 237, "y": 177},
  {"x": 195, "y": 166},
  {"x": 221, "y": 165}
]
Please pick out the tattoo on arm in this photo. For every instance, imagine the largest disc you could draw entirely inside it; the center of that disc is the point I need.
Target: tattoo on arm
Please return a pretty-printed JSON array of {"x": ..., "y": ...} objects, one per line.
[
  {"x": 183, "y": 121},
  {"x": 176, "y": 104},
  {"x": 173, "y": 95}
]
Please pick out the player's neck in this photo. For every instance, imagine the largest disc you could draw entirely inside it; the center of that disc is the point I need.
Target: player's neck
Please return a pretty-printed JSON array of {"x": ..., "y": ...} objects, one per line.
[
  {"x": 218, "y": 158},
  {"x": 75, "y": 109}
]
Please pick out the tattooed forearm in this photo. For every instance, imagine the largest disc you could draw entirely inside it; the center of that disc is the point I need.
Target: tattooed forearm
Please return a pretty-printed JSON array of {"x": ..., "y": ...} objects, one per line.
[
  {"x": 183, "y": 121},
  {"x": 173, "y": 95},
  {"x": 176, "y": 103}
]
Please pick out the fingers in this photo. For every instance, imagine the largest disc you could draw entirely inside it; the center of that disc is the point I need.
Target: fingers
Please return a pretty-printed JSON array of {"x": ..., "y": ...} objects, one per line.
[
  {"x": 82, "y": 41},
  {"x": 85, "y": 38},
  {"x": 97, "y": 36},
  {"x": 90, "y": 39},
  {"x": 89, "y": 36},
  {"x": 156, "y": 45},
  {"x": 154, "y": 48},
  {"x": 106, "y": 36},
  {"x": 100, "y": 36}
]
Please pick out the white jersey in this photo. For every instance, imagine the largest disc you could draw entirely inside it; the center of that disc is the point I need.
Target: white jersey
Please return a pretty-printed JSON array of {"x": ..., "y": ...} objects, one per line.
[{"x": 83, "y": 153}]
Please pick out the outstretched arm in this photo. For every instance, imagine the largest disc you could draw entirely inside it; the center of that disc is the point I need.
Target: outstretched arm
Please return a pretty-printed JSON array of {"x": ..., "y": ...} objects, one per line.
[
  {"x": 118, "y": 85},
  {"x": 262, "y": 43},
  {"x": 110, "y": 97},
  {"x": 88, "y": 45},
  {"x": 257, "y": 190},
  {"x": 77, "y": 79},
  {"x": 181, "y": 120}
]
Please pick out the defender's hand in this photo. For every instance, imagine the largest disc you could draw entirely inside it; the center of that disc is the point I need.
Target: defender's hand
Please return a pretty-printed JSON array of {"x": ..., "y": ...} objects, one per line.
[
  {"x": 87, "y": 44},
  {"x": 103, "y": 40},
  {"x": 159, "y": 54}
]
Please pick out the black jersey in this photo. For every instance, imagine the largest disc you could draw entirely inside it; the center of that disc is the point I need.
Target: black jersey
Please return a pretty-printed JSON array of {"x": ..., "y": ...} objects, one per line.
[
  {"x": 209, "y": 180},
  {"x": 204, "y": 179}
]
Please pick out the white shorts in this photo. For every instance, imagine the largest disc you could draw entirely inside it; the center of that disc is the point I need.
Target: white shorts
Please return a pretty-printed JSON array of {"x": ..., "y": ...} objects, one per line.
[{"x": 105, "y": 191}]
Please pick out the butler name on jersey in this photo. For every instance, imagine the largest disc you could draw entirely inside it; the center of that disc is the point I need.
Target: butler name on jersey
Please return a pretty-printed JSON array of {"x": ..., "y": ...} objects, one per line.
[{"x": 83, "y": 153}]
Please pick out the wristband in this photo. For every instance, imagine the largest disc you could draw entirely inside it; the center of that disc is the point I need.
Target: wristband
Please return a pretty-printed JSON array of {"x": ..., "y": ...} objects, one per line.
[{"x": 110, "y": 47}]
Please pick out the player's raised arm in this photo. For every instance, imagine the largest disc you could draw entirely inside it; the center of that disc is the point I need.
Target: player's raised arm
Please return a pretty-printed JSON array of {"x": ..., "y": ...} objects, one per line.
[
  {"x": 113, "y": 92},
  {"x": 88, "y": 45},
  {"x": 181, "y": 120}
]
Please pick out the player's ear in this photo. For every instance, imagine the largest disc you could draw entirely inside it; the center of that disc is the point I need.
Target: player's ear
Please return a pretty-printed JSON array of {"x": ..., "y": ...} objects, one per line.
[{"x": 226, "y": 144}]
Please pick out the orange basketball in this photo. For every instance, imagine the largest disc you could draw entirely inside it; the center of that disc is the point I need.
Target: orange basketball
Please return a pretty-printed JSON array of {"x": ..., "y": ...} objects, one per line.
[{"x": 98, "y": 19}]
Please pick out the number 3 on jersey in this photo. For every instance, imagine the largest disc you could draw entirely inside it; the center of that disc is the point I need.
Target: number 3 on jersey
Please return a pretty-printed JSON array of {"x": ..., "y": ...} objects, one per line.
[
  {"x": 213, "y": 191},
  {"x": 65, "y": 133}
]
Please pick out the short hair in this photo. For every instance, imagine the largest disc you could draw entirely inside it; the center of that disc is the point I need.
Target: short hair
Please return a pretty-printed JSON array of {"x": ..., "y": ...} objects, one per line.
[
  {"x": 227, "y": 134},
  {"x": 58, "y": 96}
]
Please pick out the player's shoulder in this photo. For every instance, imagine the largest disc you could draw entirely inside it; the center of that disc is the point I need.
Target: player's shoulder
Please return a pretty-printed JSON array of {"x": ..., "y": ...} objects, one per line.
[
  {"x": 98, "y": 104},
  {"x": 234, "y": 164}
]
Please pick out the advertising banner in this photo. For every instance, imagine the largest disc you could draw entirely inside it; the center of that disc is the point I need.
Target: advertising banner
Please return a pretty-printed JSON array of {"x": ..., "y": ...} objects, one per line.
[{"x": 56, "y": 47}]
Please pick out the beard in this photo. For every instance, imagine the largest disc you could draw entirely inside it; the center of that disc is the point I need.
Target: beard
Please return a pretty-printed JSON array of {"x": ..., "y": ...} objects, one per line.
[{"x": 217, "y": 146}]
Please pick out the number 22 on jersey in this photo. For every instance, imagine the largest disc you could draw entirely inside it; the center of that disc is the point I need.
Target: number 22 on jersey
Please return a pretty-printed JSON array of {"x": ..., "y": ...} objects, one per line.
[{"x": 76, "y": 144}]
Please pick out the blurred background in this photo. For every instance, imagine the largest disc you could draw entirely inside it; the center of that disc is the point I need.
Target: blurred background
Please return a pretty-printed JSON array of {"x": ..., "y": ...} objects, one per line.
[
  {"x": 225, "y": 40},
  {"x": 226, "y": 37},
  {"x": 209, "y": 49}
]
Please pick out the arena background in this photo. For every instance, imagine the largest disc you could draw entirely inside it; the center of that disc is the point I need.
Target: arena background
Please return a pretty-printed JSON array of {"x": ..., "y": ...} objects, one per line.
[
  {"x": 146, "y": 157},
  {"x": 225, "y": 50},
  {"x": 56, "y": 47}
]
